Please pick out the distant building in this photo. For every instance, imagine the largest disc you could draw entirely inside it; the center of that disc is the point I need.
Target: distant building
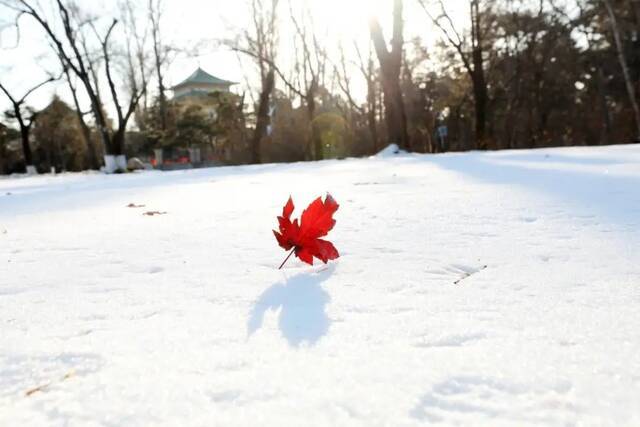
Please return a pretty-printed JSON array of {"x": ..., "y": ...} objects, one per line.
[
  {"x": 196, "y": 101},
  {"x": 200, "y": 84}
]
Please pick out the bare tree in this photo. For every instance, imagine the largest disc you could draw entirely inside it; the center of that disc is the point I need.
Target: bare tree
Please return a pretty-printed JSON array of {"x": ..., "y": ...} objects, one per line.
[
  {"x": 72, "y": 51},
  {"x": 309, "y": 70},
  {"x": 93, "y": 160},
  {"x": 578, "y": 20},
  {"x": 262, "y": 41},
  {"x": 368, "y": 71},
  {"x": 72, "y": 58},
  {"x": 473, "y": 61},
  {"x": 25, "y": 118},
  {"x": 117, "y": 138},
  {"x": 343, "y": 79},
  {"x": 160, "y": 57},
  {"x": 163, "y": 53},
  {"x": 631, "y": 92},
  {"x": 390, "y": 67},
  {"x": 138, "y": 61}
]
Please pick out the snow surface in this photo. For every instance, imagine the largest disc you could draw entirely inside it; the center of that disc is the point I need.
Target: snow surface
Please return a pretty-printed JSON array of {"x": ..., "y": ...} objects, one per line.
[{"x": 110, "y": 317}]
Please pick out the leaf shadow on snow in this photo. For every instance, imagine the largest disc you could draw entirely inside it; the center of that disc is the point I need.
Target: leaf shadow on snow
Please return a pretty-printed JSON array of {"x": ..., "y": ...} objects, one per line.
[{"x": 302, "y": 303}]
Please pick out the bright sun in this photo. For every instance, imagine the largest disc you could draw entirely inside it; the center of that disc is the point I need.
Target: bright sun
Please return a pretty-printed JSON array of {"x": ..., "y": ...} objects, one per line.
[{"x": 350, "y": 18}]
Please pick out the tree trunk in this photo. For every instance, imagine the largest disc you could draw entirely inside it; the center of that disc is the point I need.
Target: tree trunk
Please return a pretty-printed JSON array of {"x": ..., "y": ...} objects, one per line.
[
  {"x": 317, "y": 142},
  {"x": 315, "y": 146},
  {"x": 26, "y": 148},
  {"x": 155, "y": 15},
  {"x": 262, "y": 119},
  {"x": 2, "y": 160},
  {"x": 117, "y": 143},
  {"x": 163, "y": 107},
  {"x": 480, "y": 100},
  {"x": 99, "y": 115},
  {"x": 605, "y": 137},
  {"x": 2, "y": 154},
  {"x": 24, "y": 127},
  {"x": 92, "y": 157},
  {"x": 24, "y": 137},
  {"x": 115, "y": 160},
  {"x": 390, "y": 67},
  {"x": 394, "y": 112},
  {"x": 635, "y": 4},
  {"x": 480, "y": 92},
  {"x": 625, "y": 69},
  {"x": 371, "y": 114},
  {"x": 162, "y": 94}
]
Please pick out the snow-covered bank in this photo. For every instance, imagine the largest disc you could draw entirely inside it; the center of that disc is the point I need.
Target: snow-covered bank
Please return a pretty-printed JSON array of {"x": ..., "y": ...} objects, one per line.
[{"x": 111, "y": 317}]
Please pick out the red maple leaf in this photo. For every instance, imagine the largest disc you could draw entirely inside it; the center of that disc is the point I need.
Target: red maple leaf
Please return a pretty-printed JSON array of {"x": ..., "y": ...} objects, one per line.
[{"x": 303, "y": 238}]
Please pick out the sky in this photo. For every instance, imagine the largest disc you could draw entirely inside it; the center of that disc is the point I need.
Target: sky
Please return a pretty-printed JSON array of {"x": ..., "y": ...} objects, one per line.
[{"x": 203, "y": 23}]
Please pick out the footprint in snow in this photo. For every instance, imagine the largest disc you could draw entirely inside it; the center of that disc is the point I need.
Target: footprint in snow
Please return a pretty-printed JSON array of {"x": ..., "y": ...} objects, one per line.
[
  {"x": 154, "y": 213},
  {"x": 457, "y": 272},
  {"x": 528, "y": 219},
  {"x": 452, "y": 340}
]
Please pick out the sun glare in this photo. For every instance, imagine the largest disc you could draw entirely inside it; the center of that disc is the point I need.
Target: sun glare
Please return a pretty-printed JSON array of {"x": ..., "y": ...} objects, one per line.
[{"x": 350, "y": 18}]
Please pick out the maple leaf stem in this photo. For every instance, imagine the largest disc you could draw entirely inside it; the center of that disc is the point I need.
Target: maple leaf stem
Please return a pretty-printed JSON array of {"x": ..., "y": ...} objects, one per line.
[{"x": 287, "y": 258}]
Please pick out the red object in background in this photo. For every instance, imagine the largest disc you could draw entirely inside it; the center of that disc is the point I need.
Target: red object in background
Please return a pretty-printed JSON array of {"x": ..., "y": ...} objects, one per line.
[{"x": 303, "y": 238}]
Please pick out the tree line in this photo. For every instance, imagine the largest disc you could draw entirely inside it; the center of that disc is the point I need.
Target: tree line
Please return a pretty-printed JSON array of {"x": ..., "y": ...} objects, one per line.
[{"x": 516, "y": 74}]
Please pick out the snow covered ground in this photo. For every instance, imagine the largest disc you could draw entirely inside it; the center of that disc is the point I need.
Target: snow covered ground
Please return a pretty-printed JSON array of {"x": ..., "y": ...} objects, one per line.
[{"x": 495, "y": 289}]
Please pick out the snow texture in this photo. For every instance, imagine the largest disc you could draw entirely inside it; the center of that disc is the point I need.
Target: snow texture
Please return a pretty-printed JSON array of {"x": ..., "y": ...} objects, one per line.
[
  {"x": 494, "y": 289},
  {"x": 390, "y": 151}
]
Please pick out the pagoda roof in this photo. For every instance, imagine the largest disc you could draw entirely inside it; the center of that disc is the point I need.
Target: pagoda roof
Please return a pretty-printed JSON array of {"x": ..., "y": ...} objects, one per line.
[{"x": 202, "y": 77}]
